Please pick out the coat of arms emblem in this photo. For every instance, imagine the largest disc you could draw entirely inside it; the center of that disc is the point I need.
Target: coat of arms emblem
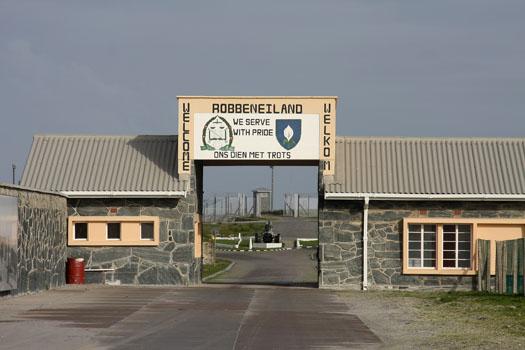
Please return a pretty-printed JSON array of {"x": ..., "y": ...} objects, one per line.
[
  {"x": 217, "y": 135},
  {"x": 288, "y": 132}
]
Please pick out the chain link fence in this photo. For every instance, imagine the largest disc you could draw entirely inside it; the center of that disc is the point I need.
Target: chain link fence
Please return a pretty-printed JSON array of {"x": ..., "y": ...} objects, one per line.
[
  {"x": 222, "y": 207},
  {"x": 300, "y": 204}
]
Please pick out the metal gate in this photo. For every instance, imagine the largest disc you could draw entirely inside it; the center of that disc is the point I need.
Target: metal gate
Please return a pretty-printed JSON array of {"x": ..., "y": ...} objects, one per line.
[
  {"x": 300, "y": 204},
  {"x": 220, "y": 207},
  {"x": 8, "y": 242}
]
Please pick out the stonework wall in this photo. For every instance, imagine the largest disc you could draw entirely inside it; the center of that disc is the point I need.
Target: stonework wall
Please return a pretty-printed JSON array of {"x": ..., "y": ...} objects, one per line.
[
  {"x": 340, "y": 243},
  {"x": 42, "y": 228},
  {"x": 341, "y": 240},
  {"x": 172, "y": 262}
]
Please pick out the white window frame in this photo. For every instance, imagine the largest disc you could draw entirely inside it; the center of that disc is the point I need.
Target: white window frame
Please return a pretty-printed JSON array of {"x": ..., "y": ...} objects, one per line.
[
  {"x": 422, "y": 247},
  {"x": 456, "y": 248},
  {"x": 75, "y": 231},
  {"x": 120, "y": 231},
  {"x": 153, "y": 225}
]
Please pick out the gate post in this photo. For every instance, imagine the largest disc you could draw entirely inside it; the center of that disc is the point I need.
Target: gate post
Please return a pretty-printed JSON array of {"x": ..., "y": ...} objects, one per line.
[{"x": 296, "y": 205}]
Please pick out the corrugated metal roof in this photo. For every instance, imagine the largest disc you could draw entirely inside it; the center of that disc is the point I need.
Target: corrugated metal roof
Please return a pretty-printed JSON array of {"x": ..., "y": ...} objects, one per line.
[
  {"x": 430, "y": 166},
  {"x": 103, "y": 163}
]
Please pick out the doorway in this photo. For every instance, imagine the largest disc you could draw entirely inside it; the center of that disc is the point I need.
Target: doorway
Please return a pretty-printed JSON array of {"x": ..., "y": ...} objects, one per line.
[{"x": 259, "y": 224}]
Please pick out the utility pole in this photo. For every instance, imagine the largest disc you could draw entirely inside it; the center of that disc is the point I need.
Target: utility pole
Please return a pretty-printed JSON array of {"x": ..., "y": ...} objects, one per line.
[
  {"x": 215, "y": 208},
  {"x": 14, "y": 174},
  {"x": 271, "y": 201}
]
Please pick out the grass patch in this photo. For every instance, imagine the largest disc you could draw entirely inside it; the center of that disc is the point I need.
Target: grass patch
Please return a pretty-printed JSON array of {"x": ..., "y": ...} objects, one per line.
[
  {"x": 232, "y": 229},
  {"x": 210, "y": 269},
  {"x": 490, "y": 318},
  {"x": 456, "y": 320},
  {"x": 231, "y": 242},
  {"x": 245, "y": 243},
  {"x": 504, "y": 312}
]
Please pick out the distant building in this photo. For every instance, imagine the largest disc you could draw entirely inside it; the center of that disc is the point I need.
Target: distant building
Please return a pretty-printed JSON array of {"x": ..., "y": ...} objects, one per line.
[{"x": 262, "y": 201}]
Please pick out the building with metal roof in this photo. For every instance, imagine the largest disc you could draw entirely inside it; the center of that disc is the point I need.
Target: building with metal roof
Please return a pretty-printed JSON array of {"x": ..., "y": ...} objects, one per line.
[
  {"x": 397, "y": 211},
  {"x": 428, "y": 168},
  {"x": 375, "y": 167},
  {"x": 104, "y": 166}
]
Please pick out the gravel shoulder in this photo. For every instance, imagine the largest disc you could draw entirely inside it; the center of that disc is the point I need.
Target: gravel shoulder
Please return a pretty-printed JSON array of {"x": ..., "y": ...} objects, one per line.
[{"x": 433, "y": 320}]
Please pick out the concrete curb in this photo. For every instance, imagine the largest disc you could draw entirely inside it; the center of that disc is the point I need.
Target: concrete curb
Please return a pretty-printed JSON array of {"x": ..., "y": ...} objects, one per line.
[
  {"x": 218, "y": 272},
  {"x": 254, "y": 250}
]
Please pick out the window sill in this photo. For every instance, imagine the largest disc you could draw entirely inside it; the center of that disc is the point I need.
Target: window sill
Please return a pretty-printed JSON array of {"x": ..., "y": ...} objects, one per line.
[
  {"x": 443, "y": 272},
  {"x": 113, "y": 243}
]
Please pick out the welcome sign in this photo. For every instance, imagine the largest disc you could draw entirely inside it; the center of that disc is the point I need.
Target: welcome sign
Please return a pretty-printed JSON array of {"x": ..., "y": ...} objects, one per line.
[
  {"x": 256, "y": 136},
  {"x": 256, "y": 128}
]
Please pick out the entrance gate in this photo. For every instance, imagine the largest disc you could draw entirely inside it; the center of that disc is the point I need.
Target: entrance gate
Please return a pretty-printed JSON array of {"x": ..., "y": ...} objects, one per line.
[{"x": 216, "y": 130}]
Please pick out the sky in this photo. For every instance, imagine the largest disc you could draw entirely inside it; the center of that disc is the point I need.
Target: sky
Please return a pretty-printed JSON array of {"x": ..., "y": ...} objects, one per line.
[{"x": 407, "y": 68}]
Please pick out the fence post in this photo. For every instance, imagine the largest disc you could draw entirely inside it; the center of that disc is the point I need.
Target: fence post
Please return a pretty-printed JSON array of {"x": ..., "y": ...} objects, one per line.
[
  {"x": 296, "y": 205},
  {"x": 523, "y": 263},
  {"x": 505, "y": 267},
  {"x": 483, "y": 263},
  {"x": 480, "y": 264},
  {"x": 499, "y": 267},
  {"x": 488, "y": 267},
  {"x": 242, "y": 208},
  {"x": 514, "y": 266},
  {"x": 308, "y": 205},
  {"x": 214, "y": 208}
]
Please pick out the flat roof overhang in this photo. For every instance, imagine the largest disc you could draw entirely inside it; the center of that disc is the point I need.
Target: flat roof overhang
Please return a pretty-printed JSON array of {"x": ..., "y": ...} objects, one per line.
[
  {"x": 124, "y": 194},
  {"x": 420, "y": 197}
]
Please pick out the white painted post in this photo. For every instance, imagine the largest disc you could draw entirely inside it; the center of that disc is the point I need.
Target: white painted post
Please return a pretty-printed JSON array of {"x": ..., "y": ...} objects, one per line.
[
  {"x": 250, "y": 244},
  {"x": 365, "y": 243}
]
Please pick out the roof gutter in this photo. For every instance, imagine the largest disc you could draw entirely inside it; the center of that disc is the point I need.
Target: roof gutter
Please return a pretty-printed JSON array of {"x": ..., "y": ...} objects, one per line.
[
  {"x": 416, "y": 197},
  {"x": 29, "y": 189},
  {"x": 124, "y": 194}
]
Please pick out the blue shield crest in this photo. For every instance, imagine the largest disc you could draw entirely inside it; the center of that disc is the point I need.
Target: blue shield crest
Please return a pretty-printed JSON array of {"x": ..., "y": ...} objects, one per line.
[{"x": 288, "y": 132}]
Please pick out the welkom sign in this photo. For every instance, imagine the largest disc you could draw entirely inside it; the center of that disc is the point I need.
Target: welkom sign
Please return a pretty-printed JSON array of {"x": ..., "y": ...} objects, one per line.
[{"x": 256, "y": 129}]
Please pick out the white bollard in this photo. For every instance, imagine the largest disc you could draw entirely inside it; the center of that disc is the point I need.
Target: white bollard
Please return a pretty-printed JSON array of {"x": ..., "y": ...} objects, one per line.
[{"x": 250, "y": 244}]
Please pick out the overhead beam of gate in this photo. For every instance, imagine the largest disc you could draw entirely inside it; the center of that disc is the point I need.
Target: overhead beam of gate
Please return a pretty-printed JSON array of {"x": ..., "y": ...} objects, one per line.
[{"x": 252, "y": 129}]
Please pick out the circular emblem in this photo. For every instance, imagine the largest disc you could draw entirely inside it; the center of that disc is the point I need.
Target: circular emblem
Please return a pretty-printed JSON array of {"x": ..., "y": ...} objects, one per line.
[{"x": 217, "y": 135}]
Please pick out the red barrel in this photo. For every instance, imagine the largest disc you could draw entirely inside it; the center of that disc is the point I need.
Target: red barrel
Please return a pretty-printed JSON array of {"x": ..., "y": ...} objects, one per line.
[{"x": 75, "y": 271}]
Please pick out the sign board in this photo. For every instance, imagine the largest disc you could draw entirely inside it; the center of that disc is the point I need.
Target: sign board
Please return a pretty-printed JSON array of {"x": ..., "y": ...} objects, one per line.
[
  {"x": 256, "y": 136},
  {"x": 256, "y": 128}
]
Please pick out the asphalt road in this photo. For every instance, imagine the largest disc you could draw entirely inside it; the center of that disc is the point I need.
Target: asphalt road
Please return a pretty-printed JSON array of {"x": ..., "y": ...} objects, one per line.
[
  {"x": 292, "y": 228},
  {"x": 211, "y": 317},
  {"x": 296, "y": 267}
]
